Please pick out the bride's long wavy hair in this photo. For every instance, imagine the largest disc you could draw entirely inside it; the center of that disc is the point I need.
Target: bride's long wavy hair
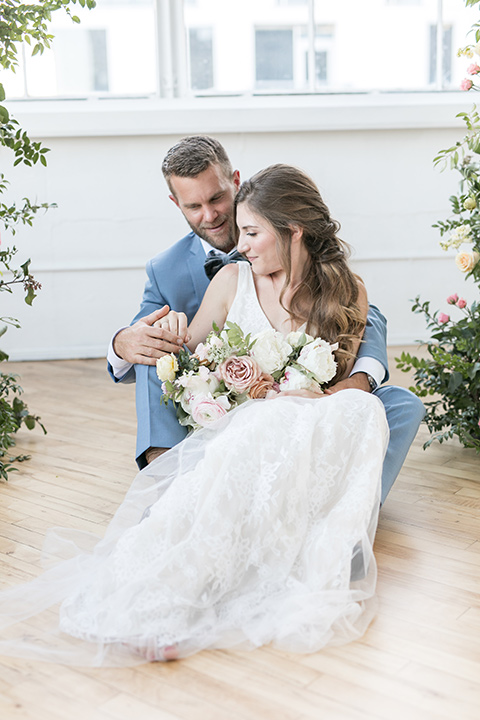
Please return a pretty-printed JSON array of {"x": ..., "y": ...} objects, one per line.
[{"x": 326, "y": 297}]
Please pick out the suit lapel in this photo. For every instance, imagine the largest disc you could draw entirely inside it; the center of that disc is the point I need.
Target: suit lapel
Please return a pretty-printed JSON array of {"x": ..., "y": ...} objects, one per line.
[{"x": 195, "y": 261}]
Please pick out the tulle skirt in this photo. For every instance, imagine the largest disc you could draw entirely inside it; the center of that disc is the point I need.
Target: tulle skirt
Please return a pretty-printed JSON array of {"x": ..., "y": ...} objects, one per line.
[{"x": 254, "y": 531}]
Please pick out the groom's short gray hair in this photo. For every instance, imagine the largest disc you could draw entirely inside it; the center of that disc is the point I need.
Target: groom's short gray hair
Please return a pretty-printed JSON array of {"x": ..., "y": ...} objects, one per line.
[{"x": 193, "y": 155}]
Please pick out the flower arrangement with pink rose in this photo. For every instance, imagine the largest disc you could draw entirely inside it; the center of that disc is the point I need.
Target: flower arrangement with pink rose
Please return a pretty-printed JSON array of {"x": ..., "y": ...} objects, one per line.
[
  {"x": 450, "y": 373},
  {"x": 230, "y": 368}
]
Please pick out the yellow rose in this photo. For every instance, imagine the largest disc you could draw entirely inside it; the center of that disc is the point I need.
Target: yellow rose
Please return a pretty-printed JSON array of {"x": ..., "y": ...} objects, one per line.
[
  {"x": 466, "y": 261},
  {"x": 167, "y": 367}
]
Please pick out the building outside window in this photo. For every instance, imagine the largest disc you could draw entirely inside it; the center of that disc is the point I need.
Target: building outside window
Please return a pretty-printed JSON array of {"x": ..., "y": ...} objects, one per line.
[
  {"x": 274, "y": 58},
  {"x": 253, "y": 46},
  {"x": 447, "y": 52},
  {"x": 201, "y": 58}
]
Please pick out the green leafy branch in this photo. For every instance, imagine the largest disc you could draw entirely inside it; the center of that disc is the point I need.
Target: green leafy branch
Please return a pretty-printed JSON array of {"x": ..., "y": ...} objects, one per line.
[
  {"x": 17, "y": 276},
  {"x": 28, "y": 23},
  {"x": 13, "y": 413}
]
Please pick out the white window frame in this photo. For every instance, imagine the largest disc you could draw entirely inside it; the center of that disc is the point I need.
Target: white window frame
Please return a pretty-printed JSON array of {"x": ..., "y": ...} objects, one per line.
[{"x": 174, "y": 110}]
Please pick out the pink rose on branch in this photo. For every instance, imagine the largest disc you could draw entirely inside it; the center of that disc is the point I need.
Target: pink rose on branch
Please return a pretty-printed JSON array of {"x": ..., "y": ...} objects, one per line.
[
  {"x": 240, "y": 373},
  {"x": 452, "y": 299},
  {"x": 461, "y": 303},
  {"x": 466, "y": 84},
  {"x": 473, "y": 69},
  {"x": 442, "y": 318}
]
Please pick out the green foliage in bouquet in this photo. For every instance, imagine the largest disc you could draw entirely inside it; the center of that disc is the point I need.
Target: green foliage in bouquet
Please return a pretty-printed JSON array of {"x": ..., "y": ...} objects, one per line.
[
  {"x": 20, "y": 23},
  {"x": 450, "y": 374}
]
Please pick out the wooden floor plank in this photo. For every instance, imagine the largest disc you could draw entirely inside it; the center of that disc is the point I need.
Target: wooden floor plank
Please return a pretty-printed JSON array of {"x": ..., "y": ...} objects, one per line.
[{"x": 419, "y": 659}]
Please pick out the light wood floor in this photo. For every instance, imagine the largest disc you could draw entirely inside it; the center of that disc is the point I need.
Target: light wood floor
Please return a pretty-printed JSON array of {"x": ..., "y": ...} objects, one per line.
[{"x": 420, "y": 659}]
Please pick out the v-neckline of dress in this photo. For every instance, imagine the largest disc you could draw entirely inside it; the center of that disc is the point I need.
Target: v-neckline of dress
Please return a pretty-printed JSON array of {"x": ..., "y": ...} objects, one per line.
[{"x": 302, "y": 327}]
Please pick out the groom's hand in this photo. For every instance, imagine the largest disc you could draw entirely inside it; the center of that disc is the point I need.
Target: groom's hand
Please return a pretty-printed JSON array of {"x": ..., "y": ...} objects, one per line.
[
  {"x": 143, "y": 344},
  {"x": 358, "y": 381}
]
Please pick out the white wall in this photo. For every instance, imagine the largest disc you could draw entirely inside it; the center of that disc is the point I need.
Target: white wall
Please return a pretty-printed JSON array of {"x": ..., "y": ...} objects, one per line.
[{"x": 372, "y": 162}]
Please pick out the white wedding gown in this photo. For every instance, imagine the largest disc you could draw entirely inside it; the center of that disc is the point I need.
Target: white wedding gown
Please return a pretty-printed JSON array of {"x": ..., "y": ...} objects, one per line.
[{"x": 257, "y": 531}]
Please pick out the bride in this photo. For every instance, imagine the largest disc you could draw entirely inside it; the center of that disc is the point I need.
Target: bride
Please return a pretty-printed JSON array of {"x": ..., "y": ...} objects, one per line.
[{"x": 258, "y": 529}]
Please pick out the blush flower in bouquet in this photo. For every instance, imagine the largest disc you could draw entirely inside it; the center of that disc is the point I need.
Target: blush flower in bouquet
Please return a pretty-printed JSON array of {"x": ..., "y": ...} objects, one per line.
[{"x": 230, "y": 368}]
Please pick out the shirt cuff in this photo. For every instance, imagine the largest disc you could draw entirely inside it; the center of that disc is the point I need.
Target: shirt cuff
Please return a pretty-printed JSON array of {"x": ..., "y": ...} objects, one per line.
[
  {"x": 120, "y": 367},
  {"x": 370, "y": 366}
]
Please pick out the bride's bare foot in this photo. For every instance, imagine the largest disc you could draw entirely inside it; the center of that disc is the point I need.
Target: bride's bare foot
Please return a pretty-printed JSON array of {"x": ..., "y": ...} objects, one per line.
[{"x": 153, "y": 652}]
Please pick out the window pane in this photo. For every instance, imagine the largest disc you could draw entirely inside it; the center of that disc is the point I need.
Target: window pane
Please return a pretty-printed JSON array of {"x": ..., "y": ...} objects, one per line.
[
  {"x": 252, "y": 46},
  {"x": 274, "y": 57},
  {"x": 201, "y": 58},
  {"x": 359, "y": 46}
]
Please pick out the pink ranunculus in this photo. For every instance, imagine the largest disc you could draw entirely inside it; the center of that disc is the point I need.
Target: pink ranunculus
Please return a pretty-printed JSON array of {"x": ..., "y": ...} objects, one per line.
[
  {"x": 240, "y": 373},
  {"x": 206, "y": 409},
  {"x": 442, "y": 318},
  {"x": 461, "y": 303},
  {"x": 452, "y": 299},
  {"x": 466, "y": 84},
  {"x": 201, "y": 351},
  {"x": 473, "y": 69}
]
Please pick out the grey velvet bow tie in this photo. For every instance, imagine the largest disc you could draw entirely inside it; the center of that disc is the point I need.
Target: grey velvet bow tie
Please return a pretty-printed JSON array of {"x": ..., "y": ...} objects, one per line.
[{"x": 214, "y": 262}]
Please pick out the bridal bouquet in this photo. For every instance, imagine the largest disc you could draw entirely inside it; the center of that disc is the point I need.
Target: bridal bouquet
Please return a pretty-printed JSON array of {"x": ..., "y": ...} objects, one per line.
[{"x": 230, "y": 368}]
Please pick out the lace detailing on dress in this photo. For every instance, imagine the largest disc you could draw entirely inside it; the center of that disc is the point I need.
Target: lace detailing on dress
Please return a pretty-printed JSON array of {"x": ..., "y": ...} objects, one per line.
[{"x": 253, "y": 543}]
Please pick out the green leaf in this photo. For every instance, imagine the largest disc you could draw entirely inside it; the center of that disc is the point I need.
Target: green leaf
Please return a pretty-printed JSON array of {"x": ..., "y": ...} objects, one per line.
[
  {"x": 30, "y": 296},
  {"x": 2, "y": 92},
  {"x": 30, "y": 422}
]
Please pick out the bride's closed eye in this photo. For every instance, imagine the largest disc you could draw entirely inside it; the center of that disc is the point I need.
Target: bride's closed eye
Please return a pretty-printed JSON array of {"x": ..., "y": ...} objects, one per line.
[{"x": 251, "y": 234}]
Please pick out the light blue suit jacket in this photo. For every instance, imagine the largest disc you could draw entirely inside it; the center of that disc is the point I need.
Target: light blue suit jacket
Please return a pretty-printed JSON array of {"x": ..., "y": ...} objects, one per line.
[{"x": 176, "y": 277}]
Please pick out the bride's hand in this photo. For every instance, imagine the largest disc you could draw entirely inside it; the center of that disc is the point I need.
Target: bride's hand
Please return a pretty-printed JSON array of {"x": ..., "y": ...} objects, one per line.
[
  {"x": 301, "y": 393},
  {"x": 176, "y": 323}
]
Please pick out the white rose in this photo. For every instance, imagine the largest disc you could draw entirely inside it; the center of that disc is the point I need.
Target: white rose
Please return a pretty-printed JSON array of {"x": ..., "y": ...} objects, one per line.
[
  {"x": 201, "y": 383},
  {"x": 167, "y": 367},
  {"x": 317, "y": 357},
  {"x": 293, "y": 338},
  {"x": 296, "y": 380},
  {"x": 271, "y": 350}
]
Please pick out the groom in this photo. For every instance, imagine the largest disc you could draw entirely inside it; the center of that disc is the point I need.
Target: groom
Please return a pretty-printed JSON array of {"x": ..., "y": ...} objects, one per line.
[{"x": 203, "y": 186}]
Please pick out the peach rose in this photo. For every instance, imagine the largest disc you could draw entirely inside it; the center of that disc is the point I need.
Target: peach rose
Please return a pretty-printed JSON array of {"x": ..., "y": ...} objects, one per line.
[
  {"x": 261, "y": 387},
  {"x": 239, "y": 373},
  {"x": 466, "y": 261}
]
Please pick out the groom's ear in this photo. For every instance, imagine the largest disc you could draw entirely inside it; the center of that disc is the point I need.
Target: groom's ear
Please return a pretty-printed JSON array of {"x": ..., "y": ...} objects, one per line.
[
  {"x": 236, "y": 180},
  {"x": 174, "y": 199}
]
